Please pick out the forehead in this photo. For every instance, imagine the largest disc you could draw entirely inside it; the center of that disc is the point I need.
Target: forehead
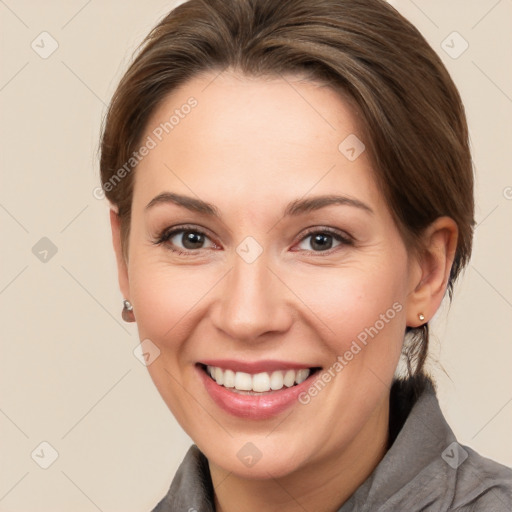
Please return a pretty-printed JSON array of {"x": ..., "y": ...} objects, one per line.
[
  {"x": 232, "y": 108},
  {"x": 256, "y": 137}
]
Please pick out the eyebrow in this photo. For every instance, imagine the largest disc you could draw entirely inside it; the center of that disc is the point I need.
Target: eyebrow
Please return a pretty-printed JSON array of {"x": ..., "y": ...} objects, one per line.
[{"x": 296, "y": 207}]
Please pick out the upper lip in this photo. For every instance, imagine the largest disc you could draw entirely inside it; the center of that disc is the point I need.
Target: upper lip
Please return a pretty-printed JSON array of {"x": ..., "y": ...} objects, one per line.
[{"x": 255, "y": 366}]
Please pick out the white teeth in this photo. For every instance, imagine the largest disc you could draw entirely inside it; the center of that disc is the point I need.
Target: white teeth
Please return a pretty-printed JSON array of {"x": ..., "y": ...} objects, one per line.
[
  {"x": 302, "y": 375},
  {"x": 276, "y": 381},
  {"x": 259, "y": 382},
  {"x": 229, "y": 379},
  {"x": 243, "y": 381},
  {"x": 218, "y": 375},
  {"x": 289, "y": 378}
]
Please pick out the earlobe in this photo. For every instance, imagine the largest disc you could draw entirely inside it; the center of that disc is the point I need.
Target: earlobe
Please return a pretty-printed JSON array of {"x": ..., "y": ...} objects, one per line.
[
  {"x": 432, "y": 271},
  {"x": 122, "y": 268}
]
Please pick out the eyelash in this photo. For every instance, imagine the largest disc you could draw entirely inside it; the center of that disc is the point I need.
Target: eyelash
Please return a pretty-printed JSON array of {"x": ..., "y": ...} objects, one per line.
[{"x": 165, "y": 235}]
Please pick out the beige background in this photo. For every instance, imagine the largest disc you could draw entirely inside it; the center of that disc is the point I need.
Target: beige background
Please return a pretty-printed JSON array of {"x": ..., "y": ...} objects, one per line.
[{"x": 68, "y": 375}]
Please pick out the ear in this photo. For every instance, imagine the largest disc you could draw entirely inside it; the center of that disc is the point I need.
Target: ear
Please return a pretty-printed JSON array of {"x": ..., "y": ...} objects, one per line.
[
  {"x": 122, "y": 268},
  {"x": 431, "y": 270}
]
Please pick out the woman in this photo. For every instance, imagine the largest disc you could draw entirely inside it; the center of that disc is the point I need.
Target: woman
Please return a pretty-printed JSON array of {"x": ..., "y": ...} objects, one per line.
[{"x": 292, "y": 196}]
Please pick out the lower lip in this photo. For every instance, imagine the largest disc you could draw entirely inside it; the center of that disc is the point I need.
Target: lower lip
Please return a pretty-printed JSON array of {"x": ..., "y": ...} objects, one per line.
[{"x": 255, "y": 407}]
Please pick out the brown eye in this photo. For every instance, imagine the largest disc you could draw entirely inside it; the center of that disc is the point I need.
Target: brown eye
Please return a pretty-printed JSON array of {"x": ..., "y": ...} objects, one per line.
[
  {"x": 184, "y": 239},
  {"x": 192, "y": 239},
  {"x": 323, "y": 240}
]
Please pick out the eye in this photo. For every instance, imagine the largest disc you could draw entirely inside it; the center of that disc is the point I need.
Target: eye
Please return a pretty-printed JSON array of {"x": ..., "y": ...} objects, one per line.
[
  {"x": 189, "y": 237},
  {"x": 322, "y": 240}
]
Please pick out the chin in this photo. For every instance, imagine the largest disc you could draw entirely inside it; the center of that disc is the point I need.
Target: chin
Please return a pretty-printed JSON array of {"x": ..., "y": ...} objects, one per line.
[{"x": 258, "y": 460}]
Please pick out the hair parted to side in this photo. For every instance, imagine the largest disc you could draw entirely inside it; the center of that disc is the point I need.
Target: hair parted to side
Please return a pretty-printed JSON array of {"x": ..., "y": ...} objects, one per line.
[{"x": 413, "y": 119}]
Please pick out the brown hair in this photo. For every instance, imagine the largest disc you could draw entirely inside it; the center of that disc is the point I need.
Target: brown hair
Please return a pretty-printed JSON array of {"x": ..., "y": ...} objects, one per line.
[{"x": 414, "y": 121}]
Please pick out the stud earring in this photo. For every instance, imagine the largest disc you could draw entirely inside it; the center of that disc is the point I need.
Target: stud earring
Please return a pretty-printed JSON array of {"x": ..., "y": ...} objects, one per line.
[
  {"x": 127, "y": 312},
  {"x": 421, "y": 316}
]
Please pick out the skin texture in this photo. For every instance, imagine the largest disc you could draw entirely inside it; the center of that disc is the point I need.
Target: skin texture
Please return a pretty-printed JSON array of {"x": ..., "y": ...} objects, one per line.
[{"x": 250, "y": 147}]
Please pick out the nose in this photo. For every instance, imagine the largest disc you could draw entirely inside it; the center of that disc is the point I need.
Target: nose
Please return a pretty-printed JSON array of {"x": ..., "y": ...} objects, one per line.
[{"x": 253, "y": 302}]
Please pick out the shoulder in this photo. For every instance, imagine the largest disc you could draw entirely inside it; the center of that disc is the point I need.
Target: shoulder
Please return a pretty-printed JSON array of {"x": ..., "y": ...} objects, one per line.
[
  {"x": 191, "y": 487},
  {"x": 426, "y": 468},
  {"x": 481, "y": 484}
]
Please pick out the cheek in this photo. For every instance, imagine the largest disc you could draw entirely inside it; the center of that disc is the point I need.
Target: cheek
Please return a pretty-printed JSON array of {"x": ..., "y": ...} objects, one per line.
[
  {"x": 165, "y": 298},
  {"x": 356, "y": 306},
  {"x": 168, "y": 305},
  {"x": 351, "y": 296}
]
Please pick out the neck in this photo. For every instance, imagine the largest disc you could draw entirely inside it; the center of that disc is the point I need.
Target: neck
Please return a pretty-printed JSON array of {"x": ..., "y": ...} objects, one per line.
[{"x": 322, "y": 485}]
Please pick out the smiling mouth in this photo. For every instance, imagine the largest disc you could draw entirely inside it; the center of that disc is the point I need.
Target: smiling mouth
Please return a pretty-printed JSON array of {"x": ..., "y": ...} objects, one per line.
[{"x": 258, "y": 383}]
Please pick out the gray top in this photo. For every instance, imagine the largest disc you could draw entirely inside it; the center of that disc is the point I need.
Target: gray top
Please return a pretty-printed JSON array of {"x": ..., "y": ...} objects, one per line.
[{"x": 425, "y": 469}]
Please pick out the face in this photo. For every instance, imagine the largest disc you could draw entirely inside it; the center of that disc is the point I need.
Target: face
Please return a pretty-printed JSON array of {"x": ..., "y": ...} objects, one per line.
[{"x": 261, "y": 280}]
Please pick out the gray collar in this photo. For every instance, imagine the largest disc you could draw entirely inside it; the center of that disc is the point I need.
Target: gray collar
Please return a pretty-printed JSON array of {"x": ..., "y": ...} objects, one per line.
[{"x": 424, "y": 469}]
